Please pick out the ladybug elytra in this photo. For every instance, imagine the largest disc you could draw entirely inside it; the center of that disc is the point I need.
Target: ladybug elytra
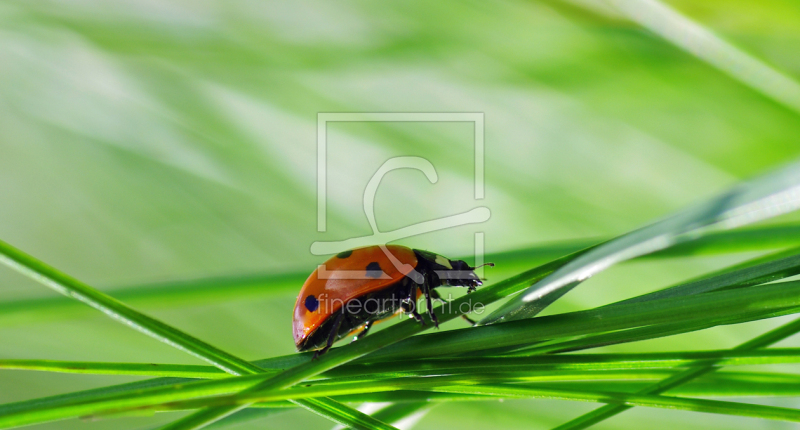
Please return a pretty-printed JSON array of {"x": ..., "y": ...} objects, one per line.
[{"x": 355, "y": 288}]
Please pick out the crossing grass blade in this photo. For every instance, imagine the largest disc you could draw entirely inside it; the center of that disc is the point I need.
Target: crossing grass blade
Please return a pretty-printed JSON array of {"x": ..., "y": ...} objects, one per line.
[
  {"x": 702, "y": 368},
  {"x": 237, "y": 288},
  {"x": 433, "y": 365},
  {"x": 755, "y": 302},
  {"x": 115, "y": 309},
  {"x": 766, "y": 196}
]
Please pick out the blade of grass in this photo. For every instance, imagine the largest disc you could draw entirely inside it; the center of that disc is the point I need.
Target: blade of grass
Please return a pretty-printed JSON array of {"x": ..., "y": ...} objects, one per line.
[
  {"x": 245, "y": 416},
  {"x": 625, "y": 399},
  {"x": 768, "y": 268},
  {"x": 694, "y": 306},
  {"x": 98, "y": 368},
  {"x": 722, "y": 384},
  {"x": 440, "y": 384},
  {"x": 431, "y": 365},
  {"x": 393, "y": 334},
  {"x": 217, "y": 289},
  {"x": 711, "y": 308},
  {"x": 193, "y": 394},
  {"x": 612, "y": 338},
  {"x": 117, "y": 310},
  {"x": 703, "y": 368},
  {"x": 488, "y": 386},
  {"x": 405, "y": 414},
  {"x": 705, "y": 45},
  {"x": 546, "y": 327},
  {"x": 488, "y": 294},
  {"x": 765, "y": 196},
  {"x": 707, "y": 306},
  {"x": 753, "y": 272}
]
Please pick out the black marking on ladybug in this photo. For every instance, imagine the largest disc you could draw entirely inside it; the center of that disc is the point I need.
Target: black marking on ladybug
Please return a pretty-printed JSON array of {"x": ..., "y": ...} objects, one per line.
[
  {"x": 311, "y": 303},
  {"x": 374, "y": 270},
  {"x": 345, "y": 254}
]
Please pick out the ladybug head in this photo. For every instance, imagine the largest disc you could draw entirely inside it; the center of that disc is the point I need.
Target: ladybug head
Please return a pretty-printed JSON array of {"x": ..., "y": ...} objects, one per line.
[
  {"x": 461, "y": 275},
  {"x": 452, "y": 273}
]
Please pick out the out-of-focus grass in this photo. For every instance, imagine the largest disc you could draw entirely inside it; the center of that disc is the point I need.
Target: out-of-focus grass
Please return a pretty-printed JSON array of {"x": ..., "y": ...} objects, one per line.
[{"x": 150, "y": 142}]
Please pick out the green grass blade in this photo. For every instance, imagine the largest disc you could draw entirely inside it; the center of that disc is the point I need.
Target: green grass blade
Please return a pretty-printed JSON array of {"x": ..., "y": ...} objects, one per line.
[
  {"x": 117, "y": 310},
  {"x": 438, "y": 383},
  {"x": 752, "y": 272},
  {"x": 438, "y": 366},
  {"x": 761, "y": 270},
  {"x": 444, "y": 384},
  {"x": 398, "y": 332},
  {"x": 205, "y": 393},
  {"x": 198, "y": 420},
  {"x": 706, "y": 307},
  {"x": 710, "y": 305},
  {"x": 353, "y": 420},
  {"x": 766, "y": 196},
  {"x": 695, "y": 39},
  {"x": 230, "y": 288},
  {"x": 97, "y": 368},
  {"x": 432, "y": 365},
  {"x": 654, "y": 401},
  {"x": 403, "y": 412},
  {"x": 715, "y": 307},
  {"x": 243, "y": 416},
  {"x": 608, "y": 411}
]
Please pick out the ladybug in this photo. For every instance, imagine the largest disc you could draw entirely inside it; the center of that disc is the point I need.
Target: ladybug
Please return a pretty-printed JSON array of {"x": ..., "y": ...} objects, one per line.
[{"x": 355, "y": 288}]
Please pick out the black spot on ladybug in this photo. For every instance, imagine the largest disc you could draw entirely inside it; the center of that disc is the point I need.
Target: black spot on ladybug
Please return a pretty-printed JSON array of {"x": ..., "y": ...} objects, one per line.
[
  {"x": 374, "y": 270},
  {"x": 344, "y": 254},
  {"x": 311, "y": 303}
]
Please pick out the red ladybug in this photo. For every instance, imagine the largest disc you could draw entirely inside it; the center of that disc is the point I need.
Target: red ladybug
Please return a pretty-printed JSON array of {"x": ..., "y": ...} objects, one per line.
[{"x": 356, "y": 288}]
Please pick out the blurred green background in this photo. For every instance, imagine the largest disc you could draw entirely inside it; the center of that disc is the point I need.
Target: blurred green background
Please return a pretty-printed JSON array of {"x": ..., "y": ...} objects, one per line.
[{"x": 151, "y": 141}]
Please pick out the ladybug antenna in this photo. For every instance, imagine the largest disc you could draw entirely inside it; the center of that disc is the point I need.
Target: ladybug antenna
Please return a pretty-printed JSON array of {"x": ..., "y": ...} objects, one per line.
[{"x": 481, "y": 265}]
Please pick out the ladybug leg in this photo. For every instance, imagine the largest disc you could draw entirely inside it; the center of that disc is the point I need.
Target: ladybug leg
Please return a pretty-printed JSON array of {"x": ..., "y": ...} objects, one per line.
[
  {"x": 469, "y": 320},
  {"x": 367, "y": 326},
  {"x": 331, "y": 337},
  {"x": 410, "y": 304},
  {"x": 426, "y": 289}
]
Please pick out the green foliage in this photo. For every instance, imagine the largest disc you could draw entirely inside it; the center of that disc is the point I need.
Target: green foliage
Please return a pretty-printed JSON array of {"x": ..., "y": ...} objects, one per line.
[
  {"x": 162, "y": 155},
  {"x": 736, "y": 294}
]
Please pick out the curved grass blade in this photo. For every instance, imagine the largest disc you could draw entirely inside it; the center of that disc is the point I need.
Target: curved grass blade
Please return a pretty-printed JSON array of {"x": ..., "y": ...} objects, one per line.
[
  {"x": 627, "y": 400},
  {"x": 486, "y": 384},
  {"x": 752, "y": 272},
  {"x": 703, "y": 368},
  {"x": 710, "y": 306},
  {"x": 763, "y": 197},
  {"x": 390, "y": 335},
  {"x": 431, "y": 365},
  {"x": 244, "y": 416},
  {"x": 705, "y": 45},
  {"x": 719, "y": 307},
  {"x": 721, "y": 384},
  {"x": 229, "y": 288},
  {"x": 71, "y": 287},
  {"x": 706, "y": 306},
  {"x": 486, "y": 387},
  {"x": 758, "y": 271},
  {"x": 207, "y": 393},
  {"x": 741, "y": 301},
  {"x": 396, "y": 333}
]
